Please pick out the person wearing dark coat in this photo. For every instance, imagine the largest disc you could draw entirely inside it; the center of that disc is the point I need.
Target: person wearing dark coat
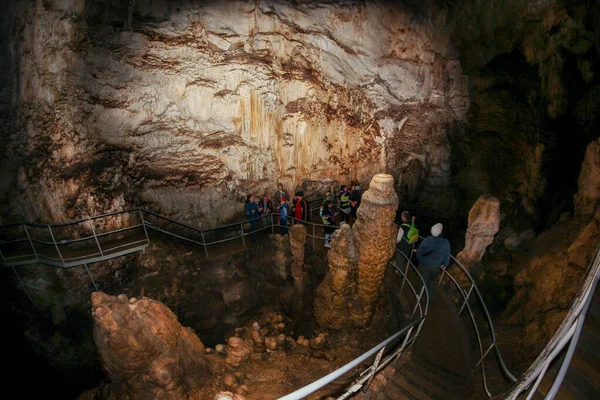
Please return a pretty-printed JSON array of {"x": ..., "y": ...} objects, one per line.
[{"x": 433, "y": 255}]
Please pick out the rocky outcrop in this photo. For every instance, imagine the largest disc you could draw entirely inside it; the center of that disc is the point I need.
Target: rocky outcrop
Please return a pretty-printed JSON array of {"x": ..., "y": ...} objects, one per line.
[
  {"x": 587, "y": 198},
  {"x": 484, "y": 223},
  {"x": 338, "y": 289},
  {"x": 375, "y": 234},
  {"x": 358, "y": 259},
  {"x": 144, "y": 350}
]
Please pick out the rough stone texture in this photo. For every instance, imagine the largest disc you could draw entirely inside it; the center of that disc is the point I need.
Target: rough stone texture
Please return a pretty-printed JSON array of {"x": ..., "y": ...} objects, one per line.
[
  {"x": 297, "y": 244},
  {"x": 237, "y": 352},
  {"x": 184, "y": 108},
  {"x": 375, "y": 235},
  {"x": 484, "y": 223},
  {"x": 587, "y": 198},
  {"x": 229, "y": 396},
  {"x": 145, "y": 351},
  {"x": 338, "y": 289}
]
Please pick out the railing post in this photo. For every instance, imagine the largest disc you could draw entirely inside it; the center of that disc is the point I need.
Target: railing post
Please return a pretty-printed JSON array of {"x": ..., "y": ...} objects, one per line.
[
  {"x": 272, "y": 224},
  {"x": 376, "y": 362},
  {"x": 418, "y": 301},
  {"x": 95, "y": 237},
  {"x": 23, "y": 286},
  {"x": 314, "y": 238},
  {"x": 242, "y": 232},
  {"x": 401, "y": 349},
  {"x": 30, "y": 241},
  {"x": 90, "y": 275},
  {"x": 144, "y": 225},
  {"x": 55, "y": 245},
  {"x": 204, "y": 243},
  {"x": 466, "y": 299},
  {"x": 2, "y": 255}
]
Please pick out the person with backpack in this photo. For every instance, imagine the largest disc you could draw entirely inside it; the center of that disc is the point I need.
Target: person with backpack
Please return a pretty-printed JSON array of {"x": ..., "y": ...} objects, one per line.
[
  {"x": 433, "y": 256},
  {"x": 408, "y": 235},
  {"x": 284, "y": 211},
  {"x": 345, "y": 208},
  {"x": 328, "y": 220}
]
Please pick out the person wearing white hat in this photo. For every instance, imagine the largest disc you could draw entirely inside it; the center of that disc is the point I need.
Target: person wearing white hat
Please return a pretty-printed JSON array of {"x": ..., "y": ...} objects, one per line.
[{"x": 433, "y": 256}]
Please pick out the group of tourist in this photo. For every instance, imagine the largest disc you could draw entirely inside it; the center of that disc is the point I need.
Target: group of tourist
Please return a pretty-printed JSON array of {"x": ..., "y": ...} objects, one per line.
[
  {"x": 349, "y": 198},
  {"x": 432, "y": 254}
]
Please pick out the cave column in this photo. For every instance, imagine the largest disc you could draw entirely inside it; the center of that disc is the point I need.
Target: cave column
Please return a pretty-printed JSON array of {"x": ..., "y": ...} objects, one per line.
[{"x": 375, "y": 235}]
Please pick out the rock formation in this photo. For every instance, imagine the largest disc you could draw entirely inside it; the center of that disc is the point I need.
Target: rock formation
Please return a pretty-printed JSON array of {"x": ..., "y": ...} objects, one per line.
[
  {"x": 358, "y": 258},
  {"x": 192, "y": 105},
  {"x": 237, "y": 353},
  {"x": 484, "y": 223},
  {"x": 375, "y": 234},
  {"x": 587, "y": 198},
  {"x": 297, "y": 243},
  {"x": 144, "y": 350},
  {"x": 335, "y": 293}
]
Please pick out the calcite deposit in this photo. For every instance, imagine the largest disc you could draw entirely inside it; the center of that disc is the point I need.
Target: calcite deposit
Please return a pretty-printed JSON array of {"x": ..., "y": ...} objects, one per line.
[
  {"x": 484, "y": 223},
  {"x": 375, "y": 234},
  {"x": 187, "y": 108},
  {"x": 144, "y": 350},
  {"x": 357, "y": 260},
  {"x": 297, "y": 244},
  {"x": 338, "y": 289},
  {"x": 587, "y": 198}
]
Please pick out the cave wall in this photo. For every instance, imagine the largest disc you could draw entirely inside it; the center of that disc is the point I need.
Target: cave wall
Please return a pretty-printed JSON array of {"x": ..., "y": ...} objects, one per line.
[{"x": 186, "y": 106}]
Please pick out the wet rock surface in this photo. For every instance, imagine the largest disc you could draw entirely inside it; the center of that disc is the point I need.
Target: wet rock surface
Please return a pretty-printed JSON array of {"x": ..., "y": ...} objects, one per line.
[{"x": 484, "y": 223}]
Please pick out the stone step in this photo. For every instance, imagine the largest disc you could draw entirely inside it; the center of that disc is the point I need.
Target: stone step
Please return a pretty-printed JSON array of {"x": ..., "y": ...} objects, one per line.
[{"x": 395, "y": 392}]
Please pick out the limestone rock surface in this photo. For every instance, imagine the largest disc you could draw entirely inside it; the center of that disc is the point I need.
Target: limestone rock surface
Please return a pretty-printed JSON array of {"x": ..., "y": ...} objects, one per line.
[
  {"x": 187, "y": 108},
  {"x": 144, "y": 350},
  {"x": 297, "y": 244},
  {"x": 338, "y": 289},
  {"x": 484, "y": 223},
  {"x": 587, "y": 198},
  {"x": 375, "y": 234}
]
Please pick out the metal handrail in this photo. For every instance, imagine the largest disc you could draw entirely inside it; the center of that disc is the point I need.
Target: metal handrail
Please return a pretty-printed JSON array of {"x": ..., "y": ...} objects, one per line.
[
  {"x": 567, "y": 332},
  {"x": 375, "y": 368},
  {"x": 465, "y": 305}
]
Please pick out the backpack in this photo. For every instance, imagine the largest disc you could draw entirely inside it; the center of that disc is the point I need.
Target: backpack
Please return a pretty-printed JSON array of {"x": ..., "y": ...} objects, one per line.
[{"x": 413, "y": 233}]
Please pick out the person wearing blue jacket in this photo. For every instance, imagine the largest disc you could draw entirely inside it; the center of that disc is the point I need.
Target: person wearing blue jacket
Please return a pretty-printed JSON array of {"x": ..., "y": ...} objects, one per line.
[
  {"x": 284, "y": 212},
  {"x": 433, "y": 256}
]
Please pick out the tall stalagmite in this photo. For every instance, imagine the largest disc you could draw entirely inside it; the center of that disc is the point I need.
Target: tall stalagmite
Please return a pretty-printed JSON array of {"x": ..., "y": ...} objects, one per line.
[
  {"x": 375, "y": 235},
  {"x": 336, "y": 292},
  {"x": 484, "y": 223}
]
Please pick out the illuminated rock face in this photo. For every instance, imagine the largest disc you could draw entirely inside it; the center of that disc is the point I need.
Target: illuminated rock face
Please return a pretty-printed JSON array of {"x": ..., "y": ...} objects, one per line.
[
  {"x": 190, "y": 107},
  {"x": 144, "y": 350},
  {"x": 358, "y": 259},
  {"x": 484, "y": 223}
]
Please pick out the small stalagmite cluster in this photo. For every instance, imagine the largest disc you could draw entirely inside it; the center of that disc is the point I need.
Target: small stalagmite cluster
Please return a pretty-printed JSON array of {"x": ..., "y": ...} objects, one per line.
[
  {"x": 145, "y": 351},
  {"x": 347, "y": 296}
]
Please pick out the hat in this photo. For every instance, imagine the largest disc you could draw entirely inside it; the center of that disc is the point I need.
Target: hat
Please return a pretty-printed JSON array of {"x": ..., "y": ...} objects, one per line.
[
  {"x": 358, "y": 188},
  {"x": 437, "y": 229},
  {"x": 406, "y": 214},
  {"x": 300, "y": 193},
  {"x": 283, "y": 199}
]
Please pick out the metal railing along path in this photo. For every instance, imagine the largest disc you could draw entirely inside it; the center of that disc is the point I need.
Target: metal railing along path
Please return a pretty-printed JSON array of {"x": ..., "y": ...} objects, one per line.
[
  {"x": 567, "y": 333},
  {"x": 473, "y": 291}
]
